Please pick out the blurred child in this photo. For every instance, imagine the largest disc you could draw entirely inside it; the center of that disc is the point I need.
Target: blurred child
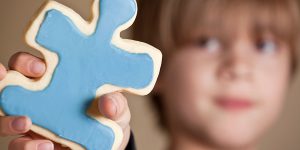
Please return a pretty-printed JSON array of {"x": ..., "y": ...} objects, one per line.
[{"x": 227, "y": 66}]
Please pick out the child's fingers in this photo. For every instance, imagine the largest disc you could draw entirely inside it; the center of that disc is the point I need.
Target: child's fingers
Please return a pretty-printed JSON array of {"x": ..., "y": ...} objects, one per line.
[
  {"x": 26, "y": 143},
  {"x": 2, "y": 72},
  {"x": 14, "y": 125},
  {"x": 27, "y": 64},
  {"x": 115, "y": 107},
  {"x": 35, "y": 136}
]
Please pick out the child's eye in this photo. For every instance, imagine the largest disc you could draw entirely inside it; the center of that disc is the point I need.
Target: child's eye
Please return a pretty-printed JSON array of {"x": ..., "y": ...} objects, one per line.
[
  {"x": 209, "y": 44},
  {"x": 266, "y": 46}
]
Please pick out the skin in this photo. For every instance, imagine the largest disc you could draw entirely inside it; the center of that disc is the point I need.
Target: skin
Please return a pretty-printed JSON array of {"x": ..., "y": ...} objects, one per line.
[
  {"x": 197, "y": 75},
  {"x": 114, "y": 106}
]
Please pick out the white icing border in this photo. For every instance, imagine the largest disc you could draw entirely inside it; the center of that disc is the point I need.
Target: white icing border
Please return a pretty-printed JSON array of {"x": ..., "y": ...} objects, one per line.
[{"x": 14, "y": 78}]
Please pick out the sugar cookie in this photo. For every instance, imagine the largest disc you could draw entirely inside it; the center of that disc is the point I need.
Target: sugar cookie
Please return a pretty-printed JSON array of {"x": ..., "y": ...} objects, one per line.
[{"x": 84, "y": 60}]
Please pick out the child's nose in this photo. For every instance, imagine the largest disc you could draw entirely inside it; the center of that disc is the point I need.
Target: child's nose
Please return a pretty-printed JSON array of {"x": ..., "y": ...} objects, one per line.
[{"x": 236, "y": 64}]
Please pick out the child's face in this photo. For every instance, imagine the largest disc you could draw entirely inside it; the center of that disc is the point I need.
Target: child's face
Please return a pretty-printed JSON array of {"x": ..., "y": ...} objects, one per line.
[{"x": 226, "y": 96}]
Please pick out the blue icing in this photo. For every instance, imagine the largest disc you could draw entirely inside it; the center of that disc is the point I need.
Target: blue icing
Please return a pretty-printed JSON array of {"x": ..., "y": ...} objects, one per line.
[{"x": 85, "y": 64}]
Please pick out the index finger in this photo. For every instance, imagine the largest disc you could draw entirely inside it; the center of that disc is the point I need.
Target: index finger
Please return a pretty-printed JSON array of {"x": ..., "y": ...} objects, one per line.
[
  {"x": 13, "y": 125},
  {"x": 27, "y": 64}
]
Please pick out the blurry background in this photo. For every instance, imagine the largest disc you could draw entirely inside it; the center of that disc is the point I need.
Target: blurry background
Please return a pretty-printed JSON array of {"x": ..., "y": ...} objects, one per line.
[{"x": 14, "y": 18}]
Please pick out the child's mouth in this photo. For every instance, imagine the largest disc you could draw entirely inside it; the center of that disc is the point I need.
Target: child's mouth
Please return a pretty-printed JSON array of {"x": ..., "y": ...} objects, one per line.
[{"x": 234, "y": 103}]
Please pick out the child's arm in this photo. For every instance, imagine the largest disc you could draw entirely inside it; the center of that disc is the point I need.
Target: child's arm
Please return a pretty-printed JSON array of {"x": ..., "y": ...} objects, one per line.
[{"x": 113, "y": 106}]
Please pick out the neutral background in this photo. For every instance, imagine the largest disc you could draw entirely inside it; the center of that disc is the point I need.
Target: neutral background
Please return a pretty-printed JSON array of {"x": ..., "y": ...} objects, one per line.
[{"x": 14, "y": 18}]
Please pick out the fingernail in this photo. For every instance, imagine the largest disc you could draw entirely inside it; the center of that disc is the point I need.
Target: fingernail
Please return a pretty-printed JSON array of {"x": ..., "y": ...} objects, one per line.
[
  {"x": 37, "y": 67},
  {"x": 45, "y": 146},
  {"x": 19, "y": 124}
]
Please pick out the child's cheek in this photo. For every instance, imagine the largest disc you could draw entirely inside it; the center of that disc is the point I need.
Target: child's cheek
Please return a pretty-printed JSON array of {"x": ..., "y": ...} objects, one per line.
[
  {"x": 270, "y": 82},
  {"x": 190, "y": 80},
  {"x": 272, "y": 85},
  {"x": 194, "y": 74}
]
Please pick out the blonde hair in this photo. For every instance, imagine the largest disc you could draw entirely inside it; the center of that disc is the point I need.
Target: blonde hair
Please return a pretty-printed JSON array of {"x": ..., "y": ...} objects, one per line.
[{"x": 169, "y": 24}]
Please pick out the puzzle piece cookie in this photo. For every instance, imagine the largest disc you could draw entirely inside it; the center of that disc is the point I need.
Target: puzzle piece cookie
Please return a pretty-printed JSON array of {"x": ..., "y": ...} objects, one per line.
[{"x": 84, "y": 60}]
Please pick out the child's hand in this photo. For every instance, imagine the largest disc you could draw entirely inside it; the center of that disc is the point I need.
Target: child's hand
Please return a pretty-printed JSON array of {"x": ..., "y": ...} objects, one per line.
[{"x": 113, "y": 106}]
